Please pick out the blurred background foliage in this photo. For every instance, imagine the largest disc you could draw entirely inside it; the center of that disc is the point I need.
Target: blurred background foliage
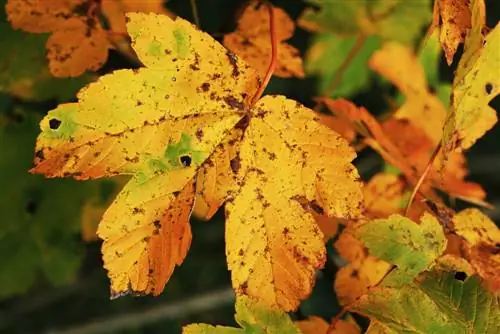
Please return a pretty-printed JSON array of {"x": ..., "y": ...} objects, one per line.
[{"x": 51, "y": 275}]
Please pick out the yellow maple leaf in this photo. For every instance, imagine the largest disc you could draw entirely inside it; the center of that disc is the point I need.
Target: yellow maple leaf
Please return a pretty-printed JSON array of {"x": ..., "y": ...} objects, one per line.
[
  {"x": 186, "y": 113},
  {"x": 251, "y": 41},
  {"x": 476, "y": 83},
  {"x": 453, "y": 16}
]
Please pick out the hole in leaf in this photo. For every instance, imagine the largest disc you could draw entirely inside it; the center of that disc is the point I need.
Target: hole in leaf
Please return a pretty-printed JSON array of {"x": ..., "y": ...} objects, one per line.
[
  {"x": 185, "y": 160},
  {"x": 460, "y": 275},
  {"x": 54, "y": 123},
  {"x": 488, "y": 88}
]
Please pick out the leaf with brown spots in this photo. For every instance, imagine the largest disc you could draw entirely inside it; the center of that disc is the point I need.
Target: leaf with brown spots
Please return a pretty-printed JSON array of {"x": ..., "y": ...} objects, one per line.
[
  {"x": 453, "y": 17},
  {"x": 362, "y": 271},
  {"x": 78, "y": 41},
  {"x": 184, "y": 129},
  {"x": 482, "y": 244},
  {"x": 290, "y": 164},
  {"x": 251, "y": 41},
  {"x": 476, "y": 83},
  {"x": 159, "y": 128}
]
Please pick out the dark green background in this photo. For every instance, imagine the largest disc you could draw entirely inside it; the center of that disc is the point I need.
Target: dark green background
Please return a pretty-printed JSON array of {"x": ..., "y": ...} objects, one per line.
[{"x": 42, "y": 212}]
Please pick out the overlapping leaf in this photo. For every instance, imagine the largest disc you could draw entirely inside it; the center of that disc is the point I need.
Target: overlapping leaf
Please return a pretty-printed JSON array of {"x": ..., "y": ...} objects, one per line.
[
  {"x": 417, "y": 127},
  {"x": 411, "y": 247},
  {"x": 438, "y": 304},
  {"x": 482, "y": 245},
  {"x": 183, "y": 115},
  {"x": 454, "y": 19},
  {"x": 474, "y": 85},
  {"x": 251, "y": 41}
]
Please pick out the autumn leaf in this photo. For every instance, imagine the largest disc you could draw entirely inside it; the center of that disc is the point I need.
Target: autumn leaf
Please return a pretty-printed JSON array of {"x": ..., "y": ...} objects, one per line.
[
  {"x": 411, "y": 247},
  {"x": 316, "y": 325},
  {"x": 437, "y": 304},
  {"x": 474, "y": 86},
  {"x": 183, "y": 115},
  {"x": 482, "y": 238},
  {"x": 253, "y": 318},
  {"x": 454, "y": 19},
  {"x": 362, "y": 271},
  {"x": 251, "y": 41},
  {"x": 408, "y": 148},
  {"x": 24, "y": 71},
  {"x": 78, "y": 41}
]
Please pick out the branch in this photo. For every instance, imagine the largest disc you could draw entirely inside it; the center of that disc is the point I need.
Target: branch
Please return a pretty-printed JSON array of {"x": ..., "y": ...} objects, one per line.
[{"x": 172, "y": 310}]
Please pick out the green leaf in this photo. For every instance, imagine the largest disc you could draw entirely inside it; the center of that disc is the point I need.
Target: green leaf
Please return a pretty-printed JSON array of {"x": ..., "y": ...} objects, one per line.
[
  {"x": 410, "y": 246},
  {"x": 253, "y": 318},
  {"x": 329, "y": 52},
  {"x": 439, "y": 304},
  {"x": 396, "y": 20},
  {"x": 39, "y": 219},
  {"x": 24, "y": 71},
  {"x": 429, "y": 57}
]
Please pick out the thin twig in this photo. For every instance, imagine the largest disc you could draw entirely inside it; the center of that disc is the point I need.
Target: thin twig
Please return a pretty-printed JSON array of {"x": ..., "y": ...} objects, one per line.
[
  {"x": 201, "y": 303},
  {"x": 422, "y": 177},
  {"x": 274, "y": 56},
  {"x": 194, "y": 9}
]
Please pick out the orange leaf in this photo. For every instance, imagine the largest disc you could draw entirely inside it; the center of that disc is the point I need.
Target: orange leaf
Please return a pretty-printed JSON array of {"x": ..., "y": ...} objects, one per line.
[
  {"x": 251, "y": 41},
  {"x": 78, "y": 41}
]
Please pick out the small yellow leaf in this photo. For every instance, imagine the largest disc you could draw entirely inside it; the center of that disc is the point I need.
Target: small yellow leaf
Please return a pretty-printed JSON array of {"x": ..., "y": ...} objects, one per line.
[{"x": 455, "y": 21}]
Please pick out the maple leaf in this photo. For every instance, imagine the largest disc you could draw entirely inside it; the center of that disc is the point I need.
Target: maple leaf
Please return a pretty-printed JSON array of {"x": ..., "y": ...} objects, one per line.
[
  {"x": 439, "y": 303},
  {"x": 253, "y": 318},
  {"x": 474, "y": 86},
  {"x": 251, "y": 42},
  {"x": 184, "y": 114},
  {"x": 78, "y": 41},
  {"x": 454, "y": 19}
]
